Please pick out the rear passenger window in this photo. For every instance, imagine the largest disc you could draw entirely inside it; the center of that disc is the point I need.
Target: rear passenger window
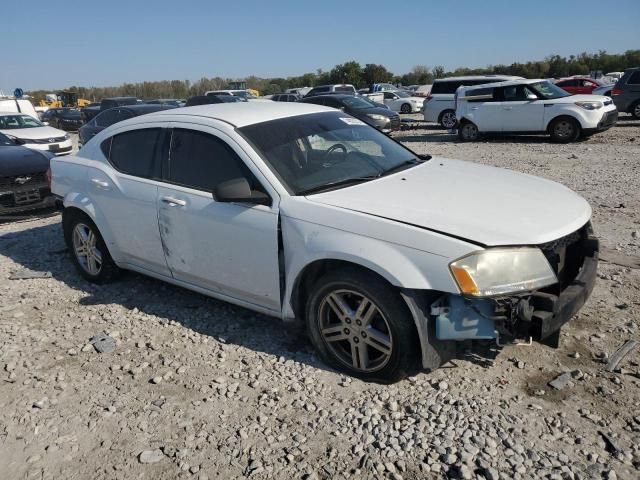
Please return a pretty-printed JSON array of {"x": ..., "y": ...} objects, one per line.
[
  {"x": 634, "y": 79},
  {"x": 202, "y": 161},
  {"x": 480, "y": 95},
  {"x": 445, "y": 87},
  {"x": 137, "y": 152}
]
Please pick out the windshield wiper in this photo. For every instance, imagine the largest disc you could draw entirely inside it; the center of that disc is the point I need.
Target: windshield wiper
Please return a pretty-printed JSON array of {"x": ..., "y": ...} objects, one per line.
[
  {"x": 338, "y": 184},
  {"x": 404, "y": 165}
]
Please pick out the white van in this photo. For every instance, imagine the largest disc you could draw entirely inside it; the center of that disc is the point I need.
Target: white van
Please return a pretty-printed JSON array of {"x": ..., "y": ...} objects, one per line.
[
  {"x": 439, "y": 106},
  {"x": 19, "y": 106}
]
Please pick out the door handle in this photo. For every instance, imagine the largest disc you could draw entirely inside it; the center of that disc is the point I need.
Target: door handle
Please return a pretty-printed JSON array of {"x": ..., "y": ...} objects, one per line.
[
  {"x": 174, "y": 202},
  {"x": 474, "y": 108},
  {"x": 100, "y": 183},
  {"x": 508, "y": 108}
]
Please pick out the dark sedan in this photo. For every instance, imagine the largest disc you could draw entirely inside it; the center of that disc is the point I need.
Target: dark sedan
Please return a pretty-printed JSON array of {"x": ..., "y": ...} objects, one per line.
[
  {"x": 23, "y": 177},
  {"x": 115, "y": 115},
  {"x": 63, "y": 118},
  {"x": 383, "y": 119}
]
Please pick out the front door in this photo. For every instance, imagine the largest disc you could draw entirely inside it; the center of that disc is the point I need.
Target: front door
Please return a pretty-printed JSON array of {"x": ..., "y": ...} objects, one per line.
[
  {"x": 228, "y": 248},
  {"x": 521, "y": 113}
]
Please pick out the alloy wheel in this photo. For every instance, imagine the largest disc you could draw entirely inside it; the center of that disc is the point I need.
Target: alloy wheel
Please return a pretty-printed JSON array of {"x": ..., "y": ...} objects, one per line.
[
  {"x": 469, "y": 131},
  {"x": 355, "y": 330},
  {"x": 564, "y": 129},
  {"x": 85, "y": 249},
  {"x": 449, "y": 120}
]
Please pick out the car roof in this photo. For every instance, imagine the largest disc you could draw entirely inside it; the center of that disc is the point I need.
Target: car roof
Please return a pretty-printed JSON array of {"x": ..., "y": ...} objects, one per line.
[
  {"x": 477, "y": 77},
  {"x": 143, "y": 108},
  {"x": 245, "y": 113},
  {"x": 6, "y": 114},
  {"x": 507, "y": 83},
  {"x": 119, "y": 98}
]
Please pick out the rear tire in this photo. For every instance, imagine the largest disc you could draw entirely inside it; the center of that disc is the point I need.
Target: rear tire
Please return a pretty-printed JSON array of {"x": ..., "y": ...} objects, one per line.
[
  {"x": 361, "y": 326},
  {"x": 635, "y": 110},
  {"x": 448, "y": 119},
  {"x": 468, "y": 132},
  {"x": 405, "y": 108},
  {"x": 564, "y": 130},
  {"x": 88, "y": 251}
]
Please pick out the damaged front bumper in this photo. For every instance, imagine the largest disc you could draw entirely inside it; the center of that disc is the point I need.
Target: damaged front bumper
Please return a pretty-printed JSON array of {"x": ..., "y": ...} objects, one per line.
[
  {"x": 442, "y": 319},
  {"x": 537, "y": 315}
]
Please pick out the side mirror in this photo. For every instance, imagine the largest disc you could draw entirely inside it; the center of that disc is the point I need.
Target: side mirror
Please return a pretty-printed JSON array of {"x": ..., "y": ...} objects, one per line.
[
  {"x": 531, "y": 96},
  {"x": 238, "y": 190}
]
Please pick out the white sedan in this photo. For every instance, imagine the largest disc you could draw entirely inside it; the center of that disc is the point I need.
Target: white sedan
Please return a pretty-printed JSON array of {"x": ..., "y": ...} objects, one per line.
[
  {"x": 34, "y": 134},
  {"x": 302, "y": 212},
  {"x": 402, "y": 102}
]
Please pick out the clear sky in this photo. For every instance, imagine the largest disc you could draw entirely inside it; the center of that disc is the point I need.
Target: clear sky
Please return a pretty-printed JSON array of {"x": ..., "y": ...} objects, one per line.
[{"x": 99, "y": 43}]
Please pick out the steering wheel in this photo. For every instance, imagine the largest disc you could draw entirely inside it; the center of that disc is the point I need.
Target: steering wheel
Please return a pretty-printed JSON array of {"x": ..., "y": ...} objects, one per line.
[{"x": 333, "y": 148}]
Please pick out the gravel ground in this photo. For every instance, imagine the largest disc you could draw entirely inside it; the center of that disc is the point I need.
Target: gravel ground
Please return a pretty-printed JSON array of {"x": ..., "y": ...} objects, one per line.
[{"x": 196, "y": 388}]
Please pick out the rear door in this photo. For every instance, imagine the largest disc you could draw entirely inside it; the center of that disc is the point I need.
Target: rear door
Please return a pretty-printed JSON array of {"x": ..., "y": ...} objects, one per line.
[
  {"x": 485, "y": 110},
  {"x": 126, "y": 192},
  {"x": 228, "y": 248},
  {"x": 521, "y": 114}
]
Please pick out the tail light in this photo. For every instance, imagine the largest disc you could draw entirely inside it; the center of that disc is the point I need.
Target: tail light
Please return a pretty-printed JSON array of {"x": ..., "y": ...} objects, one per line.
[
  {"x": 617, "y": 91},
  {"x": 48, "y": 174}
]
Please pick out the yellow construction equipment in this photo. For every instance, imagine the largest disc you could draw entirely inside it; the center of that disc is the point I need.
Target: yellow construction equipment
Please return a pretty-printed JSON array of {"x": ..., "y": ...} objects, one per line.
[{"x": 63, "y": 99}]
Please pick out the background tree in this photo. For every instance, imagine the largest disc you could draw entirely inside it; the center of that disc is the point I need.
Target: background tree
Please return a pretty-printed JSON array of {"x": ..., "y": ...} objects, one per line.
[
  {"x": 349, "y": 72},
  {"x": 373, "y": 73}
]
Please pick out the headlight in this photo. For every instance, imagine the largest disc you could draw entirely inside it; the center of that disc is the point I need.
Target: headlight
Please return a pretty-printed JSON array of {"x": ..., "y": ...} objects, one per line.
[
  {"x": 590, "y": 105},
  {"x": 498, "y": 271},
  {"x": 380, "y": 118},
  {"x": 67, "y": 136}
]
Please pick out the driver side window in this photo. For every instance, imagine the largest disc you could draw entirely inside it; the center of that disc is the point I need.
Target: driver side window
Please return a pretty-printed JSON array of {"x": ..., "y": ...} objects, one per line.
[{"x": 202, "y": 161}]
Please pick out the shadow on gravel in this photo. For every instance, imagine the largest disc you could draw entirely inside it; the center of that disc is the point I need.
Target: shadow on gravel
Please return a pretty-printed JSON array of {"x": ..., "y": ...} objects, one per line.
[{"x": 42, "y": 249}]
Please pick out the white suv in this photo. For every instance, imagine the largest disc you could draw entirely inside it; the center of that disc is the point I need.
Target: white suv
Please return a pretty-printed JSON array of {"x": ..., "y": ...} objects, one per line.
[
  {"x": 305, "y": 213},
  {"x": 439, "y": 106},
  {"x": 531, "y": 107}
]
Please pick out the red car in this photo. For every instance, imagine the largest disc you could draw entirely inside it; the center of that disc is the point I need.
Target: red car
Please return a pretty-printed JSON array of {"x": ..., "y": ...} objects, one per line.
[{"x": 579, "y": 85}]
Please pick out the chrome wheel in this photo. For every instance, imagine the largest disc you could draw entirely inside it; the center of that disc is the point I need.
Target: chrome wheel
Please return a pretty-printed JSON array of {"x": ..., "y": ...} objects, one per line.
[
  {"x": 85, "y": 249},
  {"x": 469, "y": 131},
  {"x": 449, "y": 119},
  {"x": 564, "y": 129},
  {"x": 355, "y": 330}
]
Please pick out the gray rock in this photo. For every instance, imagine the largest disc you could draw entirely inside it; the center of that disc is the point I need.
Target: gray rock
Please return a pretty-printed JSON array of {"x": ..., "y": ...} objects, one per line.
[
  {"x": 561, "y": 381},
  {"x": 151, "y": 456},
  {"x": 103, "y": 343}
]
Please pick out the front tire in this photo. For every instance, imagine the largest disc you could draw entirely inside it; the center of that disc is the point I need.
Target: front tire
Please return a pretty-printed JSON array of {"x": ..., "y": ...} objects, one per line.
[
  {"x": 88, "y": 251},
  {"x": 448, "y": 119},
  {"x": 405, "y": 108},
  {"x": 635, "y": 110},
  {"x": 468, "y": 132},
  {"x": 564, "y": 130},
  {"x": 360, "y": 325}
]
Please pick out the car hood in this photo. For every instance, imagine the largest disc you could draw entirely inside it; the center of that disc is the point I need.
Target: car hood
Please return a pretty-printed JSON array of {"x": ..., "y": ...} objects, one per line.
[
  {"x": 21, "y": 161},
  {"x": 373, "y": 110},
  {"x": 484, "y": 205},
  {"x": 581, "y": 98},
  {"x": 35, "y": 133}
]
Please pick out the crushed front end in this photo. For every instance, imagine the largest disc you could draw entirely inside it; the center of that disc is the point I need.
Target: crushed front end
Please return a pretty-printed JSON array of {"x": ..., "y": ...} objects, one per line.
[{"x": 538, "y": 314}]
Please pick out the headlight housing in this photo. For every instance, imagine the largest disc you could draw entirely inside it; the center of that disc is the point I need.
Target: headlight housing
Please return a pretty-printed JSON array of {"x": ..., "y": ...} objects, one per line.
[
  {"x": 380, "y": 118},
  {"x": 67, "y": 136},
  {"x": 500, "y": 271},
  {"x": 590, "y": 105}
]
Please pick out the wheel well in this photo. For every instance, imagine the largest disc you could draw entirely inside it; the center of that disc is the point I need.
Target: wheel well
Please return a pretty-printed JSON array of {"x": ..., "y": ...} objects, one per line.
[
  {"x": 568, "y": 117},
  {"x": 311, "y": 273},
  {"x": 464, "y": 120}
]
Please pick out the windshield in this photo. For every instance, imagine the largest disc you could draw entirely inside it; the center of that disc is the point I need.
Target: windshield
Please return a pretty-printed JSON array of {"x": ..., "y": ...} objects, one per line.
[
  {"x": 14, "y": 122},
  {"x": 357, "y": 103},
  {"x": 547, "y": 90},
  {"x": 322, "y": 151},
  {"x": 402, "y": 94},
  {"x": 5, "y": 141}
]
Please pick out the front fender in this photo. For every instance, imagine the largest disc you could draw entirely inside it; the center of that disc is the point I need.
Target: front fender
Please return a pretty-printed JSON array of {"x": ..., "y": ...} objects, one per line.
[{"x": 404, "y": 267}]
